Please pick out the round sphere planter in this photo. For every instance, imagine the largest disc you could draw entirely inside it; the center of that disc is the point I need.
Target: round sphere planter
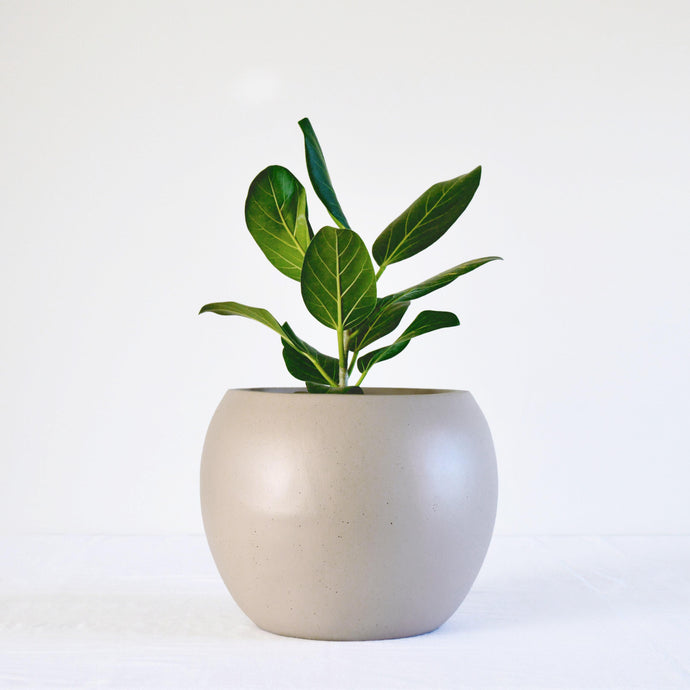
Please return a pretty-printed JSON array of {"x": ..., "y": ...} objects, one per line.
[{"x": 348, "y": 517}]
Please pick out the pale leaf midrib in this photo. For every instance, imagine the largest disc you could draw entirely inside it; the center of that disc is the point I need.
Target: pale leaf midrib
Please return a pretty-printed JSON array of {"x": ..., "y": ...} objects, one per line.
[
  {"x": 354, "y": 279},
  {"x": 339, "y": 304},
  {"x": 354, "y": 307},
  {"x": 290, "y": 245},
  {"x": 298, "y": 246}
]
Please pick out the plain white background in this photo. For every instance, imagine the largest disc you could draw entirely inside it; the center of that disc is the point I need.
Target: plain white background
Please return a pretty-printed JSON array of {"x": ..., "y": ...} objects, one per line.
[{"x": 130, "y": 133}]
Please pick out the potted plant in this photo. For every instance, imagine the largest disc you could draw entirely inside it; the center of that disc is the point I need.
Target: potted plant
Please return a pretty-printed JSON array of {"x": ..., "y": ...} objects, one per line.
[{"x": 344, "y": 512}]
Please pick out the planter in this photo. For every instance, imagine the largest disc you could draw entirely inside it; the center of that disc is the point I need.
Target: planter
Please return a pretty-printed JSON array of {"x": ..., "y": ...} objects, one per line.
[{"x": 348, "y": 517}]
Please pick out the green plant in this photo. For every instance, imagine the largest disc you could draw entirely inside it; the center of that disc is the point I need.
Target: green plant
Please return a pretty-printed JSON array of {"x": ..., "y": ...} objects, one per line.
[{"x": 336, "y": 272}]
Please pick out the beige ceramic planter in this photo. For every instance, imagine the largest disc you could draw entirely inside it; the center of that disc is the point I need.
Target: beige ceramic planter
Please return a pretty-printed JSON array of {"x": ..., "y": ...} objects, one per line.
[{"x": 348, "y": 517}]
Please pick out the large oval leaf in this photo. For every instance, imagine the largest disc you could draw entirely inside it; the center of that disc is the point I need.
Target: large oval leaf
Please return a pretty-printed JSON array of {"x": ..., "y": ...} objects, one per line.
[
  {"x": 426, "y": 219},
  {"x": 338, "y": 282},
  {"x": 318, "y": 174},
  {"x": 425, "y": 322},
  {"x": 438, "y": 281},
  {"x": 276, "y": 215}
]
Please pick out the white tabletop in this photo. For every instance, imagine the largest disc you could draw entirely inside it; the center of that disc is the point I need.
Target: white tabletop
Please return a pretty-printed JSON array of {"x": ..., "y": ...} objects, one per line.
[{"x": 151, "y": 612}]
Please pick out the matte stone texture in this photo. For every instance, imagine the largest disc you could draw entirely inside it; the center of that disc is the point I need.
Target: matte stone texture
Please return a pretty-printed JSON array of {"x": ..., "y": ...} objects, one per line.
[{"x": 348, "y": 517}]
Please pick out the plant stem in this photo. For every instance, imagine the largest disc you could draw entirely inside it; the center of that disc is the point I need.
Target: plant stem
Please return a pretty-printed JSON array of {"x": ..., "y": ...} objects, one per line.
[
  {"x": 351, "y": 368},
  {"x": 346, "y": 348},
  {"x": 361, "y": 378},
  {"x": 382, "y": 268},
  {"x": 342, "y": 369}
]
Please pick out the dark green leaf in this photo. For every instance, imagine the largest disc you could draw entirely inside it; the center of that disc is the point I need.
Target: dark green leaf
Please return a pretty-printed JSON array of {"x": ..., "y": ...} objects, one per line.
[
  {"x": 317, "y": 387},
  {"x": 318, "y": 174},
  {"x": 438, "y": 281},
  {"x": 349, "y": 390},
  {"x": 301, "y": 359},
  {"x": 426, "y": 219},
  {"x": 338, "y": 282},
  {"x": 276, "y": 215},
  {"x": 365, "y": 362},
  {"x": 320, "y": 388},
  {"x": 236, "y": 309},
  {"x": 385, "y": 318},
  {"x": 425, "y": 322}
]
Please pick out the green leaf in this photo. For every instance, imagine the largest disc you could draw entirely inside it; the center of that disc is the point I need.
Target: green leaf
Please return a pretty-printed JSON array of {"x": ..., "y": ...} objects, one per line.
[
  {"x": 427, "y": 219},
  {"x": 438, "y": 281},
  {"x": 300, "y": 358},
  {"x": 236, "y": 309},
  {"x": 317, "y": 387},
  {"x": 320, "y": 388},
  {"x": 425, "y": 322},
  {"x": 318, "y": 174},
  {"x": 338, "y": 282},
  {"x": 385, "y": 318},
  {"x": 276, "y": 215}
]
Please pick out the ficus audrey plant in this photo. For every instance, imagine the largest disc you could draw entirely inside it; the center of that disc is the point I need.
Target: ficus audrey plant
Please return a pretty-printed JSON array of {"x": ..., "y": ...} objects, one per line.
[{"x": 338, "y": 279}]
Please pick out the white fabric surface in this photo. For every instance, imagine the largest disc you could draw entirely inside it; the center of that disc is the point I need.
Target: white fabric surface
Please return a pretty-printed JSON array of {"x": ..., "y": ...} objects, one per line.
[{"x": 151, "y": 612}]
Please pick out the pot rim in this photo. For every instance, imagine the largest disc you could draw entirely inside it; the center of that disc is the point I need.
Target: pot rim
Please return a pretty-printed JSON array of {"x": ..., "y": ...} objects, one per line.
[{"x": 374, "y": 391}]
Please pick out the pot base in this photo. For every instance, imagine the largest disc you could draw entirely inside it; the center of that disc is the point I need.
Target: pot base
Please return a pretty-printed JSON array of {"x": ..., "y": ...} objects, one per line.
[{"x": 359, "y": 637}]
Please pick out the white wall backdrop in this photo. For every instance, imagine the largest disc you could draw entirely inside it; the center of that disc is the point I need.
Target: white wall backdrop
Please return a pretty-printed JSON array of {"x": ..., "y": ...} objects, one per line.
[{"x": 130, "y": 132}]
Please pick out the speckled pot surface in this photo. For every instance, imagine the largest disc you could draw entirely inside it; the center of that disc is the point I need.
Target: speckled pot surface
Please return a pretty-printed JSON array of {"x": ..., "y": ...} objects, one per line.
[{"x": 348, "y": 517}]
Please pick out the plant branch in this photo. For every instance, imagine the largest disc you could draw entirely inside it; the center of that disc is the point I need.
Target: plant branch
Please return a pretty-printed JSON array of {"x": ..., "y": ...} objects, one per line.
[
  {"x": 346, "y": 348},
  {"x": 342, "y": 370},
  {"x": 351, "y": 368},
  {"x": 361, "y": 378}
]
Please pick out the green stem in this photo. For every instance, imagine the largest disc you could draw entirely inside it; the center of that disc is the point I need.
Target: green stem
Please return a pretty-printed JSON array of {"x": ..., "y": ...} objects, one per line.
[
  {"x": 351, "y": 368},
  {"x": 361, "y": 378},
  {"x": 366, "y": 371},
  {"x": 342, "y": 369},
  {"x": 382, "y": 268},
  {"x": 346, "y": 348}
]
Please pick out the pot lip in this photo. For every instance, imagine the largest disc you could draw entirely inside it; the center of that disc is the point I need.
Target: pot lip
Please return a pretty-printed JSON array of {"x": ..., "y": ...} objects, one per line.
[{"x": 368, "y": 392}]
